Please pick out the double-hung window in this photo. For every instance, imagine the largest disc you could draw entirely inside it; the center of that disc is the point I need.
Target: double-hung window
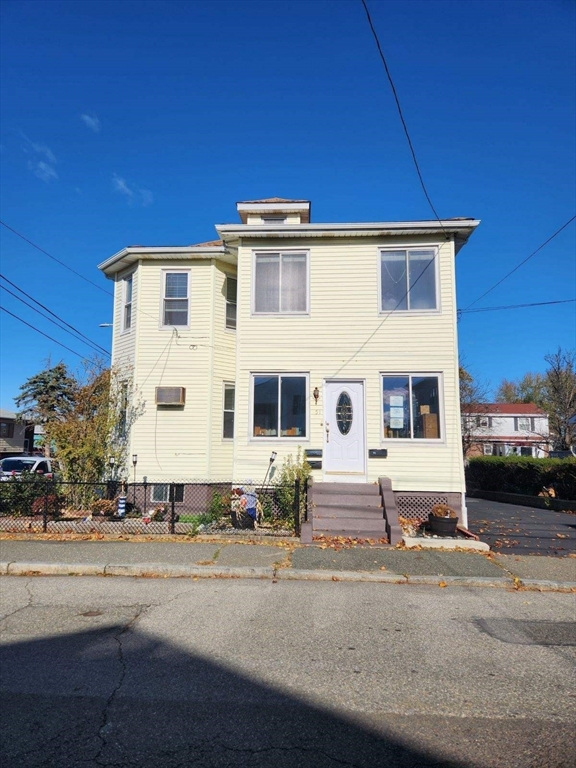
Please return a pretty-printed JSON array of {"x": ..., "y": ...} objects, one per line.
[
  {"x": 175, "y": 300},
  {"x": 127, "y": 287},
  {"x": 279, "y": 406},
  {"x": 281, "y": 282},
  {"x": 231, "y": 301},
  {"x": 411, "y": 406},
  {"x": 523, "y": 424},
  {"x": 228, "y": 411},
  {"x": 161, "y": 492},
  {"x": 408, "y": 279}
]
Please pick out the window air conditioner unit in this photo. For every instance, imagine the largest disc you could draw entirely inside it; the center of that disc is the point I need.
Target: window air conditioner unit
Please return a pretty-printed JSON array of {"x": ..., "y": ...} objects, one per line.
[{"x": 170, "y": 395}]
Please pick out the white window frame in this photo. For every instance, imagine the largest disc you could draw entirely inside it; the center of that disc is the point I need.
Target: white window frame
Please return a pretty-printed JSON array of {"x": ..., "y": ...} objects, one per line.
[
  {"x": 167, "y": 500},
  {"x": 520, "y": 428},
  {"x": 435, "y": 266},
  {"x": 280, "y": 251},
  {"x": 287, "y": 438},
  {"x": 228, "y": 385},
  {"x": 273, "y": 220},
  {"x": 487, "y": 449},
  {"x": 169, "y": 271},
  {"x": 127, "y": 280},
  {"x": 230, "y": 303},
  {"x": 441, "y": 420}
]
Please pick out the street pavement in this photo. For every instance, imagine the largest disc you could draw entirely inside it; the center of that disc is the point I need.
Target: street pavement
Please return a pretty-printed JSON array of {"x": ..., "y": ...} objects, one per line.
[
  {"x": 521, "y": 530},
  {"x": 141, "y": 673}
]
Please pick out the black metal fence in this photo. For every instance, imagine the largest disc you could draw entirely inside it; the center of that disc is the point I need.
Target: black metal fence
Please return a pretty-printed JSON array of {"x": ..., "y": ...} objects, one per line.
[{"x": 38, "y": 505}]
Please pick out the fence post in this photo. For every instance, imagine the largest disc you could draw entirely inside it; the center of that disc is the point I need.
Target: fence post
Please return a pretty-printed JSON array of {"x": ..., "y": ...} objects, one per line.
[
  {"x": 306, "y": 500},
  {"x": 297, "y": 507},
  {"x": 45, "y": 510},
  {"x": 145, "y": 509},
  {"x": 172, "y": 508}
]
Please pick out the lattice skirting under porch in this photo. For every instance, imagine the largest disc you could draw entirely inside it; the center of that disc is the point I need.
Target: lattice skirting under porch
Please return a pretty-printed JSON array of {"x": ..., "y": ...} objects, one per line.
[{"x": 415, "y": 505}]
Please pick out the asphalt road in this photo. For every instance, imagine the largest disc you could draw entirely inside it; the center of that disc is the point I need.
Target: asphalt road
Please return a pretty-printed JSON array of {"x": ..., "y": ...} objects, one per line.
[
  {"x": 516, "y": 530},
  {"x": 141, "y": 673}
]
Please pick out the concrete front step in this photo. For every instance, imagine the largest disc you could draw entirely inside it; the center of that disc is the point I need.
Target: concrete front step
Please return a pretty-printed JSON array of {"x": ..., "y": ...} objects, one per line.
[
  {"x": 351, "y": 533},
  {"x": 372, "y": 513},
  {"x": 348, "y": 524},
  {"x": 366, "y": 489},
  {"x": 348, "y": 500}
]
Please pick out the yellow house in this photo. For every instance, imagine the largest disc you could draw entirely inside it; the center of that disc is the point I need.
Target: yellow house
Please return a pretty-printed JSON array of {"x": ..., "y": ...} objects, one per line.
[{"x": 338, "y": 338}]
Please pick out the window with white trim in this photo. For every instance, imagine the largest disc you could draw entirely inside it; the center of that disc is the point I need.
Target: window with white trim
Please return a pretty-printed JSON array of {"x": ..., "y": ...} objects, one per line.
[
  {"x": 175, "y": 300},
  {"x": 128, "y": 284},
  {"x": 281, "y": 282},
  {"x": 523, "y": 424},
  {"x": 273, "y": 220},
  {"x": 408, "y": 279},
  {"x": 231, "y": 301},
  {"x": 411, "y": 406},
  {"x": 161, "y": 492},
  {"x": 228, "y": 411},
  {"x": 279, "y": 405}
]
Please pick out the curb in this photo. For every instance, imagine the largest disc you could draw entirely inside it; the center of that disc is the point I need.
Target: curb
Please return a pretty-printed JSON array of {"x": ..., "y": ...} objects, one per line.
[
  {"x": 160, "y": 570},
  {"x": 296, "y": 574}
]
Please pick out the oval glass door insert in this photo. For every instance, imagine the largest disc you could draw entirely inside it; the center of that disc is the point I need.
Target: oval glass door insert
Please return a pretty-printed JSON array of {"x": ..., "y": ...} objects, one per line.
[{"x": 344, "y": 413}]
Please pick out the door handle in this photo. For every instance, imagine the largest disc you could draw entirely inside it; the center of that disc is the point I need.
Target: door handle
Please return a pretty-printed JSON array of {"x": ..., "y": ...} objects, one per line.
[{"x": 327, "y": 432}]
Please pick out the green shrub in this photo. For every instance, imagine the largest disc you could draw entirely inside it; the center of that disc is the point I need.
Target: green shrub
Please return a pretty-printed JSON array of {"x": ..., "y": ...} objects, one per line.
[
  {"x": 18, "y": 494},
  {"x": 522, "y": 474},
  {"x": 284, "y": 485}
]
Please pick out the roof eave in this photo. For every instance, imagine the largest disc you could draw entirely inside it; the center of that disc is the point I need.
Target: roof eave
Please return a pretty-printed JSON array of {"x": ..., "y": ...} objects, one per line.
[{"x": 128, "y": 256}]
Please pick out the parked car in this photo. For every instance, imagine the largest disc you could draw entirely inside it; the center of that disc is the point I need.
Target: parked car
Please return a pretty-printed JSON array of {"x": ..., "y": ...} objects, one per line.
[{"x": 14, "y": 466}]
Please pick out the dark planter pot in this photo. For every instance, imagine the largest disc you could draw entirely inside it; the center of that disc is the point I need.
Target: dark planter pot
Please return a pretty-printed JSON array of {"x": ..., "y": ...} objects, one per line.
[{"x": 442, "y": 526}]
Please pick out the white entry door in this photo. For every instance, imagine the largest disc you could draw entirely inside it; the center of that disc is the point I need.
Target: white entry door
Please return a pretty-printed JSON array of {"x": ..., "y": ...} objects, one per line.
[{"x": 344, "y": 437}]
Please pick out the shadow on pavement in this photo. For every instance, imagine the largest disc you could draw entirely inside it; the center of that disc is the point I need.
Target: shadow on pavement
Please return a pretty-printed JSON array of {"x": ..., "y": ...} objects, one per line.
[{"x": 115, "y": 696}]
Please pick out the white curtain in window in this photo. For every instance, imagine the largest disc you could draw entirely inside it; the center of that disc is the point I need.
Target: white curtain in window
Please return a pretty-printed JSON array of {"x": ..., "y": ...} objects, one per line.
[
  {"x": 293, "y": 296},
  {"x": 266, "y": 290}
]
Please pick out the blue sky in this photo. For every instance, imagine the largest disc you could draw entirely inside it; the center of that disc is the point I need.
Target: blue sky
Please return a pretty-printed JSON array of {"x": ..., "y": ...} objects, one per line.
[{"x": 144, "y": 122}]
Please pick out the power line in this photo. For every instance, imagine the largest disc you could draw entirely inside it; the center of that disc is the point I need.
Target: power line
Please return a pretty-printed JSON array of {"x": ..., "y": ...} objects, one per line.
[
  {"x": 92, "y": 346},
  {"x": 55, "y": 259},
  {"x": 515, "y": 306},
  {"x": 399, "y": 108},
  {"x": 85, "y": 339},
  {"x": 522, "y": 262},
  {"x": 42, "y": 333}
]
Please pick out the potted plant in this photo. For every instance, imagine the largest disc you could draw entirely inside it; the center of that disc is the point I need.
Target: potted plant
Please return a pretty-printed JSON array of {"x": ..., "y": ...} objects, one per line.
[{"x": 442, "y": 520}]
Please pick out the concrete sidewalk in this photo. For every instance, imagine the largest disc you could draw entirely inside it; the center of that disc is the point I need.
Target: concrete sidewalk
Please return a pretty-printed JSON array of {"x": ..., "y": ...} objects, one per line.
[{"x": 283, "y": 561}]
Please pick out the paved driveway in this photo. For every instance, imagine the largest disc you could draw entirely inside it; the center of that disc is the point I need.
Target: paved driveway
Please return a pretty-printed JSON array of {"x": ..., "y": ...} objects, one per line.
[{"x": 513, "y": 529}]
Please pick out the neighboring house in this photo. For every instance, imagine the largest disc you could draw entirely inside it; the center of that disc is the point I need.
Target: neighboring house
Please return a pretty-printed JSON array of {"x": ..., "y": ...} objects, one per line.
[
  {"x": 506, "y": 429},
  {"x": 339, "y": 338},
  {"x": 15, "y": 436}
]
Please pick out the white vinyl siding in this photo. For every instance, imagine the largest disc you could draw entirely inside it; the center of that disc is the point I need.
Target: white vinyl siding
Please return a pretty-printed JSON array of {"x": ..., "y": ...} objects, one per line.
[
  {"x": 280, "y": 282},
  {"x": 408, "y": 279}
]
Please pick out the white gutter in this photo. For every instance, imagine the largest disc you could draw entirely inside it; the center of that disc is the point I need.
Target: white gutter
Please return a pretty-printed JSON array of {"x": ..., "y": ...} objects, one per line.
[{"x": 127, "y": 256}]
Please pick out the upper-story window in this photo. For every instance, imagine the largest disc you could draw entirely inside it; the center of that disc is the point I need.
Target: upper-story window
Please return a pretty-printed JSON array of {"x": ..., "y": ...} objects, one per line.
[
  {"x": 524, "y": 424},
  {"x": 175, "y": 300},
  {"x": 273, "y": 220},
  {"x": 127, "y": 322},
  {"x": 408, "y": 279},
  {"x": 281, "y": 282},
  {"x": 231, "y": 300}
]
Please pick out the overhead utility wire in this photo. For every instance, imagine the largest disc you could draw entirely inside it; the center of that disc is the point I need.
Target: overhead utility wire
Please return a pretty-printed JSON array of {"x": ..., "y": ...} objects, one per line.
[
  {"x": 55, "y": 259},
  {"x": 74, "y": 336},
  {"x": 82, "y": 357},
  {"x": 521, "y": 263},
  {"x": 85, "y": 339},
  {"x": 515, "y": 306},
  {"x": 404, "y": 126}
]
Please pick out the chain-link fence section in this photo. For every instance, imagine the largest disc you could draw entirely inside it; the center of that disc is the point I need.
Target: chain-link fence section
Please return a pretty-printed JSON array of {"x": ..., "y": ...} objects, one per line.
[{"x": 39, "y": 505}]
